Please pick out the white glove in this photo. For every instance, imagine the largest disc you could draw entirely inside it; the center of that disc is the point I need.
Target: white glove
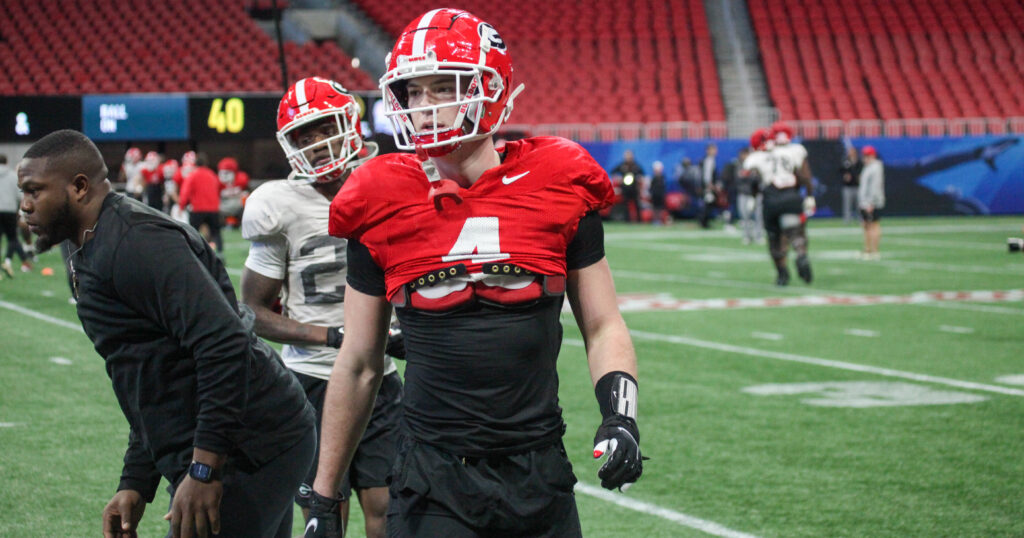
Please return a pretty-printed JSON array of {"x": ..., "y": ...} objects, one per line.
[{"x": 809, "y": 206}]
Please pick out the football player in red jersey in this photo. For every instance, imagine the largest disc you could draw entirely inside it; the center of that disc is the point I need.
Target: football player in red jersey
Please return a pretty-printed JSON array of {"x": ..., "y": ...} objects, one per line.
[{"x": 476, "y": 246}]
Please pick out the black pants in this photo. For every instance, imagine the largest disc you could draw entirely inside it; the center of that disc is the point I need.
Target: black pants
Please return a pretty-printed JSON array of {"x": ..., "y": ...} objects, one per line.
[
  {"x": 155, "y": 196},
  {"x": 9, "y": 229},
  {"x": 376, "y": 451},
  {"x": 780, "y": 202},
  {"x": 259, "y": 504},
  {"x": 436, "y": 493},
  {"x": 212, "y": 221}
]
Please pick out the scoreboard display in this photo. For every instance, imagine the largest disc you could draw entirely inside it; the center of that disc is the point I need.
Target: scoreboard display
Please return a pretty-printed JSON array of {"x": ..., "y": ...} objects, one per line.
[
  {"x": 30, "y": 118},
  {"x": 152, "y": 117},
  {"x": 135, "y": 117},
  {"x": 232, "y": 117}
]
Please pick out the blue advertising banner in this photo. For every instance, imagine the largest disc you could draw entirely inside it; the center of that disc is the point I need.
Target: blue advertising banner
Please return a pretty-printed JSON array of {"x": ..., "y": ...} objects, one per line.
[
  {"x": 978, "y": 175},
  {"x": 135, "y": 117}
]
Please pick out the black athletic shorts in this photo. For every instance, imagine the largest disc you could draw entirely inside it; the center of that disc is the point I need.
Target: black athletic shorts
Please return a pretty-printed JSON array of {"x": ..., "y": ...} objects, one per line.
[
  {"x": 436, "y": 493},
  {"x": 779, "y": 202},
  {"x": 874, "y": 216},
  {"x": 377, "y": 449}
]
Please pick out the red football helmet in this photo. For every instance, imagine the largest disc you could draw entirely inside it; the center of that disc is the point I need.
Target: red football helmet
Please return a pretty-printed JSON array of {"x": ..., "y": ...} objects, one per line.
[
  {"x": 133, "y": 155},
  {"x": 759, "y": 140},
  {"x": 228, "y": 163},
  {"x": 782, "y": 133},
  {"x": 152, "y": 160},
  {"x": 318, "y": 127},
  {"x": 169, "y": 168},
  {"x": 456, "y": 43}
]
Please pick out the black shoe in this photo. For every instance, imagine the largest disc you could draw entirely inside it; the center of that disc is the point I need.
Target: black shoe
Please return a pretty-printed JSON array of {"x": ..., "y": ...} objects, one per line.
[
  {"x": 803, "y": 268},
  {"x": 783, "y": 278}
]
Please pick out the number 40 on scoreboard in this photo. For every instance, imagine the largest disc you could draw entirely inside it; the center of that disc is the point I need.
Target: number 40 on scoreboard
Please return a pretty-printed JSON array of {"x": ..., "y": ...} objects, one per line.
[{"x": 227, "y": 116}]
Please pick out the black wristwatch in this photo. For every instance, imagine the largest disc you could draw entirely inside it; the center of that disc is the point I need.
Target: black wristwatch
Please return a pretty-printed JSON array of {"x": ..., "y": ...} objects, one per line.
[{"x": 203, "y": 472}]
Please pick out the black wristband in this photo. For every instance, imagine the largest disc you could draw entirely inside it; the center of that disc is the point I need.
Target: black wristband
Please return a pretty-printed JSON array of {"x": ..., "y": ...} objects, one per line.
[
  {"x": 334, "y": 336},
  {"x": 617, "y": 394}
]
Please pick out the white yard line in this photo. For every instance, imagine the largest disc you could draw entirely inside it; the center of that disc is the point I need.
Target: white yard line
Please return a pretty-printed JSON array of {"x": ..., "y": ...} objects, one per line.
[
  {"x": 40, "y": 316},
  {"x": 988, "y": 309},
  {"x": 649, "y": 302},
  {"x": 703, "y": 525},
  {"x": 827, "y": 363},
  {"x": 671, "y": 234}
]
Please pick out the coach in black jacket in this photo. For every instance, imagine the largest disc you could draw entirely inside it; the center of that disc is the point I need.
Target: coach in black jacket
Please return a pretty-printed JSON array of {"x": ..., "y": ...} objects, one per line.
[{"x": 211, "y": 408}]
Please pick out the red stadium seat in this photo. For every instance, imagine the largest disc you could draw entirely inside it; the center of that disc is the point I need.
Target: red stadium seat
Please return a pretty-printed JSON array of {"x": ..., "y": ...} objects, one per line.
[{"x": 910, "y": 59}]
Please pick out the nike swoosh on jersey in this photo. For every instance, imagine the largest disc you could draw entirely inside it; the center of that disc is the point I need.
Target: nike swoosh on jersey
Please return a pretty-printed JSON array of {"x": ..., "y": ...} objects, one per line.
[
  {"x": 509, "y": 180},
  {"x": 313, "y": 523}
]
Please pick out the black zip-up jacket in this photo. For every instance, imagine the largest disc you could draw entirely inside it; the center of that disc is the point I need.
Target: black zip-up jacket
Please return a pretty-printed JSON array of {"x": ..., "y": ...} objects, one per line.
[{"x": 158, "y": 306}]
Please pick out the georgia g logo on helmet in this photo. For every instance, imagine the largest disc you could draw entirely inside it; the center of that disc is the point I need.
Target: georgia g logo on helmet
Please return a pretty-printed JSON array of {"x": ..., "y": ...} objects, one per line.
[{"x": 488, "y": 32}]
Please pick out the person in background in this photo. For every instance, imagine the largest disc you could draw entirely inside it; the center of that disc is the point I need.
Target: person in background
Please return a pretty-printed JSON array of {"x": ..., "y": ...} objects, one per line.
[
  {"x": 291, "y": 252},
  {"x": 657, "y": 191},
  {"x": 235, "y": 184},
  {"x": 788, "y": 202},
  {"x": 10, "y": 199},
  {"x": 708, "y": 184},
  {"x": 153, "y": 178},
  {"x": 748, "y": 202},
  {"x": 871, "y": 198},
  {"x": 201, "y": 191},
  {"x": 130, "y": 173},
  {"x": 849, "y": 172},
  {"x": 210, "y": 406},
  {"x": 688, "y": 178},
  {"x": 478, "y": 246},
  {"x": 630, "y": 176},
  {"x": 727, "y": 192}
]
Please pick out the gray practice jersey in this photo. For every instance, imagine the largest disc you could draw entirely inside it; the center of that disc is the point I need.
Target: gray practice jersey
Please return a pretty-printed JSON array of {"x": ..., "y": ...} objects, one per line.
[{"x": 286, "y": 221}]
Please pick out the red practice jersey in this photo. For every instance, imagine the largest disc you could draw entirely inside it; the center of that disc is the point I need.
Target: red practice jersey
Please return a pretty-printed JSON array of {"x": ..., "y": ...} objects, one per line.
[{"x": 523, "y": 212}]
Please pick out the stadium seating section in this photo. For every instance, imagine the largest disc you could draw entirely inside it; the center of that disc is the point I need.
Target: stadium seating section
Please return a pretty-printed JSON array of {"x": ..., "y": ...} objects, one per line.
[
  {"x": 125, "y": 46},
  {"x": 883, "y": 59},
  {"x": 596, "y": 61}
]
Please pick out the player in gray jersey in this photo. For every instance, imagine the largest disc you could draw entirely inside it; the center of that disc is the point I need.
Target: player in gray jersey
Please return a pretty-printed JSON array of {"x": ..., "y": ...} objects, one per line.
[{"x": 292, "y": 258}]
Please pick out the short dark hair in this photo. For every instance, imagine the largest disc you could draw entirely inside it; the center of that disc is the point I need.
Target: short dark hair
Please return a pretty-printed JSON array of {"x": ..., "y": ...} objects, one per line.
[
  {"x": 71, "y": 150},
  {"x": 3, "y": 158}
]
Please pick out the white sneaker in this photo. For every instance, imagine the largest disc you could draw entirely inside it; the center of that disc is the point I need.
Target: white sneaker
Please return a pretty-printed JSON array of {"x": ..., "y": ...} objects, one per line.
[{"x": 6, "y": 266}]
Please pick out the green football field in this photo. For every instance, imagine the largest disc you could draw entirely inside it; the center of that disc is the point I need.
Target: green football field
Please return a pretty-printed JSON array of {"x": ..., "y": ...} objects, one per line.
[{"x": 885, "y": 399}]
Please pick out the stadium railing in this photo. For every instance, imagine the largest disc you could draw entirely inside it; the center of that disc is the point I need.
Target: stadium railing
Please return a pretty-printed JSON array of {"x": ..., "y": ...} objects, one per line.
[{"x": 827, "y": 129}]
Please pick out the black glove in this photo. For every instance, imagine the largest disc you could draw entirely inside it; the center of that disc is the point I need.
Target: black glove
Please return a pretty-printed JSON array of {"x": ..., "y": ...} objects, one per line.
[
  {"x": 396, "y": 343},
  {"x": 618, "y": 436},
  {"x": 324, "y": 519},
  {"x": 334, "y": 336}
]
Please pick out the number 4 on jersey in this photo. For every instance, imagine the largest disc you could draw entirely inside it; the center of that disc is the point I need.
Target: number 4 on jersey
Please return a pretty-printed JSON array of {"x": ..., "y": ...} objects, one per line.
[{"x": 478, "y": 242}]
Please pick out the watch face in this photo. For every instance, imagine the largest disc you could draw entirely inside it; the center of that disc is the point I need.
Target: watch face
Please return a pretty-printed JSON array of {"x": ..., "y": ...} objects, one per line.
[{"x": 200, "y": 471}]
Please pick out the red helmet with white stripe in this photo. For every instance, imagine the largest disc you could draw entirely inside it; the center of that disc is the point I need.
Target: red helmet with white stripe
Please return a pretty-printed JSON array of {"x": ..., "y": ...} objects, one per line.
[
  {"x": 782, "y": 133},
  {"x": 318, "y": 128},
  {"x": 133, "y": 155},
  {"x": 458, "y": 44},
  {"x": 759, "y": 140}
]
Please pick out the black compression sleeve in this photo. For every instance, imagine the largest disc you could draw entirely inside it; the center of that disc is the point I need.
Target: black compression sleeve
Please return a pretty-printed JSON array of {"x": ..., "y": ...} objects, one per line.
[
  {"x": 587, "y": 247},
  {"x": 363, "y": 272}
]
